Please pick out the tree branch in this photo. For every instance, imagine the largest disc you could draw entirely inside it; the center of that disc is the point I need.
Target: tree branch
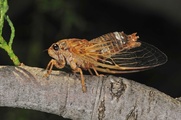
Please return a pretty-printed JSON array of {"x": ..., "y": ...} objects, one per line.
[{"x": 107, "y": 97}]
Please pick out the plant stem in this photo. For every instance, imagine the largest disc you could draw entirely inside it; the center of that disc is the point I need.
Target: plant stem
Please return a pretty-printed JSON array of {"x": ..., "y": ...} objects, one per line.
[{"x": 3, "y": 44}]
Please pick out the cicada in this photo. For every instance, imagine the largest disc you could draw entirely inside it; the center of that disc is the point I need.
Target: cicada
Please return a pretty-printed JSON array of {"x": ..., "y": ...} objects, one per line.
[{"x": 113, "y": 53}]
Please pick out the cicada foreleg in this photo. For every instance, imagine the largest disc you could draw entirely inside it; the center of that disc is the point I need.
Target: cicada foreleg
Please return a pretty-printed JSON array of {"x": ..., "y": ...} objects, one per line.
[{"x": 53, "y": 63}]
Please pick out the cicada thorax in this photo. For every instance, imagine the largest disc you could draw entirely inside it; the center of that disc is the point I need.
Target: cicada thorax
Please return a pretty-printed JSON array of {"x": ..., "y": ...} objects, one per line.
[{"x": 74, "y": 49}]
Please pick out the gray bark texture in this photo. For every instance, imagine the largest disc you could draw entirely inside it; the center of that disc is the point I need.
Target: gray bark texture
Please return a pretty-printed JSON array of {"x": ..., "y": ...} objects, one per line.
[{"x": 107, "y": 97}]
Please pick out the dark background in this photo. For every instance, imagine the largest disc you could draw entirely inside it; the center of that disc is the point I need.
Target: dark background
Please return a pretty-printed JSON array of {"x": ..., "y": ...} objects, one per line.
[{"x": 39, "y": 23}]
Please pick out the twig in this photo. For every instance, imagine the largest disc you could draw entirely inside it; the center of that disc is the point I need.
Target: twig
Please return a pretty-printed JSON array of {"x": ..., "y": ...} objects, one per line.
[{"x": 107, "y": 97}]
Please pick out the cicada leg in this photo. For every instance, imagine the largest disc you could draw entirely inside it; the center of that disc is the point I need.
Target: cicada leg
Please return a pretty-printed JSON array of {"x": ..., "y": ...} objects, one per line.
[
  {"x": 97, "y": 72},
  {"x": 77, "y": 69},
  {"x": 90, "y": 71},
  {"x": 51, "y": 64},
  {"x": 82, "y": 78},
  {"x": 49, "y": 67}
]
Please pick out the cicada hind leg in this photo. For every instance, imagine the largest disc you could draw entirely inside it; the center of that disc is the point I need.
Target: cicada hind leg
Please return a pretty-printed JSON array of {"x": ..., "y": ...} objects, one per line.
[{"x": 97, "y": 74}]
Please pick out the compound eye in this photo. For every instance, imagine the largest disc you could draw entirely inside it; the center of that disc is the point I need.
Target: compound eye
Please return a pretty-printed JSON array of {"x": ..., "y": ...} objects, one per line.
[{"x": 55, "y": 47}]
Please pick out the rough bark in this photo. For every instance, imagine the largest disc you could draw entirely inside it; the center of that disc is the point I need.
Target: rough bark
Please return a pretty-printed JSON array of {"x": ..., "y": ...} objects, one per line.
[{"x": 107, "y": 97}]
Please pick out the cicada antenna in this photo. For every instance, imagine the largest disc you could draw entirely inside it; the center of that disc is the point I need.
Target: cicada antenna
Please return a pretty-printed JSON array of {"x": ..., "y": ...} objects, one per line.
[{"x": 45, "y": 50}]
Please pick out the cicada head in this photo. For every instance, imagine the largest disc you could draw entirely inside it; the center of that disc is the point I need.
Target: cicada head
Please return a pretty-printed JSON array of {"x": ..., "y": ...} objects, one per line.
[{"x": 57, "y": 49}]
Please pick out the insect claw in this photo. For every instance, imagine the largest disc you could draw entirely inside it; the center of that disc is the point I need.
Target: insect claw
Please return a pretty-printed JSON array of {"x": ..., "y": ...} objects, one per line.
[
  {"x": 84, "y": 88},
  {"x": 100, "y": 75},
  {"x": 46, "y": 75}
]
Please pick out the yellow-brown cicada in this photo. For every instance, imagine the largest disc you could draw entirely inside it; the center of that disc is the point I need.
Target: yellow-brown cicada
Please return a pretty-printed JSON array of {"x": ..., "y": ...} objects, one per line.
[{"x": 110, "y": 53}]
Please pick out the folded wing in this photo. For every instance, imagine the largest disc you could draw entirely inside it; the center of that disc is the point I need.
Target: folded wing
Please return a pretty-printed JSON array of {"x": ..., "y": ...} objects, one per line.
[{"x": 120, "y": 53}]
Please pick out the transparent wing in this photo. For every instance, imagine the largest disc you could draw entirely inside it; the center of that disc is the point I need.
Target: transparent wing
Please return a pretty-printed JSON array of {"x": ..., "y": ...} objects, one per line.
[
  {"x": 137, "y": 59},
  {"x": 109, "y": 54},
  {"x": 140, "y": 58}
]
